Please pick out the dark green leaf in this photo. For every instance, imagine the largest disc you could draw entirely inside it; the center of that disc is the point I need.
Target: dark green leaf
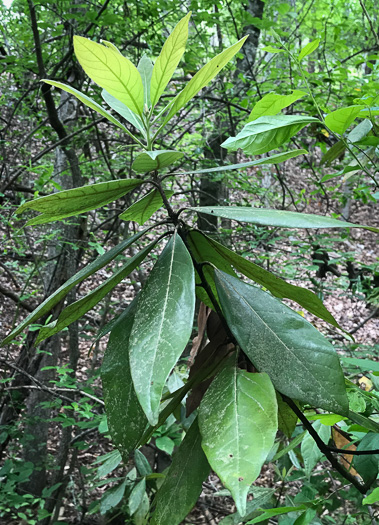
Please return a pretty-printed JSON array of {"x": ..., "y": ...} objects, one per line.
[
  {"x": 332, "y": 154},
  {"x": 79, "y": 200},
  {"x": 300, "y": 361},
  {"x": 143, "y": 209},
  {"x": 363, "y": 421},
  {"x": 112, "y": 497},
  {"x": 363, "y": 364},
  {"x": 109, "y": 465},
  {"x": 141, "y": 463},
  {"x": 61, "y": 293},
  {"x": 267, "y": 133},
  {"x": 287, "y": 418},
  {"x": 162, "y": 324},
  {"x": 155, "y": 160},
  {"x": 136, "y": 496},
  {"x": 183, "y": 483},
  {"x": 238, "y": 424},
  {"x": 368, "y": 465},
  {"x": 270, "y": 513}
]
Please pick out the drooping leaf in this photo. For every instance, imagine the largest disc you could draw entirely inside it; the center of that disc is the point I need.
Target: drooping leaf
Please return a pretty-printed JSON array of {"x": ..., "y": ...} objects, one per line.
[
  {"x": 270, "y": 513},
  {"x": 61, "y": 293},
  {"x": 169, "y": 58},
  {"x": 274, "y": 159},
  {"x": 123, "y": 110},
  {"x": 203, "y": 77},
  {"x": 238, "y": 424},
  {"x": 272, "y": 103},
  {"x": 368, "y": 465},
  {"x": 267, "y": 133},
  {"x": 283, "y": 219},
  {"x": 339, "y": 120},
  {"x": 126, "y": 419},
  {"x": 145, "y": 68},
  {"x": 86, "y": 100},
  {"x": 111, "y": 71},
  {"x": 274, "y": 284},
  {"x": 76, "y": 310},
  {"x": 162, "y": 324},
  {"x": 183, "y": 483},
  {"x": 143, "y": 209},
  {"x": 155, "y": 160},
  {"x": 300, "y": 361},
  {"x": 309, "y": 449},
  {"x": 309, "y": 48},
  {"x": 260, "y": 499},
  {"x": 67, "y": 203}
]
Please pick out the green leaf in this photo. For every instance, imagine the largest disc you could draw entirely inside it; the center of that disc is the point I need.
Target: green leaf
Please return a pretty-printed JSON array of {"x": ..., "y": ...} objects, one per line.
[
  {"x": 270, "y": 513},
  {"x": 287, "y": 418},
  {"x": 145, "y": 68},
  {"x": 271, "y": 49},
  {"x": 126, "y": 419},
  {"x": 372, "y": 498},
  {"x": 360, "y": 131},
  {"x": 363, "y": 421},
  {"x": 267, "y": 133},
  {"x": 111, "y": 71},
  {"x": 300, "y": 361},
  {"x": 135, "y": 498},
  {"x": 67, "y": 203},
  {"x": 139, "y": 517},
  {"x": 61, "y": 293},
  {"x": 162, "y": 324},
  {"x": 274, "y": 284},
  {"x": 293, "y": 444},
  {"x": 332, "y": 154},
  {"x": 86, "y": 100},
  {"x": 141, "y": 463},
  {"x": 203, "y": 77},
  {"x": 155, "y": 160},
  {"x": 363, "y": 364},
  {"x": 272, "y": 103},
  {"x": 309, "y": 449},
  {"x": 111, "y": 463},
  {"x": 251, "y": 507},
  {"x": 238, "y": 423},
  {"x": 76, "y": 310},
  {"x": 143, "y": 209},
  {"x": 283, "y": 219},
  {"x": 169, "y": 59},
  {"x": 274, "y": 159},
  {"x": 166, "y": 444},
  {"x": 309, "y": 48},
  {"x": 112, "y": 497},
  {"x": 123, "y": 110},
  {"x": 183, "y": 483},
  {"x": 306, "y": 517},
  {"x": 368, "y": 465},
  {"x": 339, "y": 120}
]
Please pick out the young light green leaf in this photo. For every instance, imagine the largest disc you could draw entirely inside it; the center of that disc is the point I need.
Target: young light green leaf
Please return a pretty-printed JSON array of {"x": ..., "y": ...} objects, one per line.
[
  {"x": 272, "y": 103},
  {"x": 372, "y": 498},
  {"x": 274, "y": 159},
  {"x": 338, "y": 121},
  {"x": 155, "y": 160},
  {"x": 142, "y": 464},
  {"x": 300, "y": 361},
  {"x": 272, "y": 49},
  {"x": 270, "y": 513},
  {"x": 309, "y": 449},
  {"x": 238, "y": 423},
  {"x": 143, "y": 209},
  {"x": 61, "y": 293},
  {"x": 76, "y": 310},
  {"x": 145, "y": 68},
  {"x": 203, "y": 77},
  {"x": 111, "y": 71},
  {"x": 169, "y": 59},
  {"x": 162, "y": 324},
  {"x": 368, "y": 465},
  {"x": 183, "y": 483},
  {"x": 123, "y": 110},
  {"x": 309, "y": 48},
  {"x": 126, "y": 419},
  {"x": 67, "y": 203},
  {"x": 283, "y": 219},
  {"x": 87, "y": 101},
  {"x": 277, "y": 286},
  {"x": 267, "y": 133}
]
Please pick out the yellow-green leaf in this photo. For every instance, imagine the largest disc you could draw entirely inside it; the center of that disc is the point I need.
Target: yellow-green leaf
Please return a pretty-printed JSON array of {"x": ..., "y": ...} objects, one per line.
[
  {"x": 112, "y": 71},
  {"x": 339, "y": 120},
  {"x": 155, "y": 160},
  {"x": 309, "y": 48},
  {"x": 272, "y": 103}
]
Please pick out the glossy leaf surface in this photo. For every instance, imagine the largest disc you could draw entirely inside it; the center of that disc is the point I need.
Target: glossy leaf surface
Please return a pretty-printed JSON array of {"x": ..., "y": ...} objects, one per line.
[
  {"x": 203, "y": 77},
  {"x": 76, "y": 310},
  {"x": 87, "y": 101},
  {"x": 300, "y": 361},
  {"x": 238, "y": 423},
  {"x": 155, "y": 160},
  {"x": 123, "y": 110},
  {"x": 183, "y": 482},
  {"x": 169, "y": 59},
  {"x": 267, "y": 133},
  {"x": 143, "y": 209},
  {"x": 62, "y": 291},
  {"x": 126, "y": 419},
  {"x": 162, "y": 324},
  {"x": 339, "y": 120},
  {"x": 111, "y": 71},
  {"x": 272, "y": 103},
  {"x": 68, "y": 203},
  {"x": 283, "y": 219}
]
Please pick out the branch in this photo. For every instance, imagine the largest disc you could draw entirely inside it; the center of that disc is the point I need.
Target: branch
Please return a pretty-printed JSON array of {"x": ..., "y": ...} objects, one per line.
[{"x": 15, "y": 298}]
